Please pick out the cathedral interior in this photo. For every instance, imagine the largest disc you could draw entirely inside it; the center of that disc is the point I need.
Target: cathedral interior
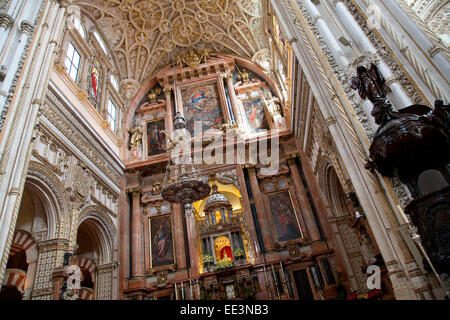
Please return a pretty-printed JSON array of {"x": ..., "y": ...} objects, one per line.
[{"x": 332, "y": 115}]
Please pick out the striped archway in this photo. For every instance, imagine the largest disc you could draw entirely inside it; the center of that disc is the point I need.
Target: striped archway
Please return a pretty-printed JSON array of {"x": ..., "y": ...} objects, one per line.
[{"x": 15, "y": 278}]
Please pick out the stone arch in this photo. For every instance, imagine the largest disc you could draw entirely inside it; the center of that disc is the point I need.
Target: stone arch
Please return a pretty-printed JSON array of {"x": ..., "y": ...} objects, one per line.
[
  {"x": 47, "y": 187},
  {"x": 101, "y": 228}
]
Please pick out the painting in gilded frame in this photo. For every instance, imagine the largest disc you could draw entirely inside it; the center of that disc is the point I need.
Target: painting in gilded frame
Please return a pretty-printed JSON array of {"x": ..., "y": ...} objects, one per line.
[
  {"x": 255, "y": 115},
  {"x": 202, "y": 103},
  {"x": 156, "y": 138},
  {"x": 284, "y": 217},
  {"x": 161, "y": 248}
]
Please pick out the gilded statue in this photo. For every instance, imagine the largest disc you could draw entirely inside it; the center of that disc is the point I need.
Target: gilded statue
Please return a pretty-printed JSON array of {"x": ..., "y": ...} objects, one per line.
[
  {"x": 153, "y": 95},
  {"x": 136, "y": 135}
]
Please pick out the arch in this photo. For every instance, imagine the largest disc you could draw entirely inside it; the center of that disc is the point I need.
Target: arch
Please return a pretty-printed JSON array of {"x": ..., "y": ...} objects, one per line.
[
  {"x": 89, "y": 265},
  {"x": 15, "y": 278},
  {"x": 101, "y": 231},
  {"x": 47, "y": 187},
  {"x": 151, "y": 81}
]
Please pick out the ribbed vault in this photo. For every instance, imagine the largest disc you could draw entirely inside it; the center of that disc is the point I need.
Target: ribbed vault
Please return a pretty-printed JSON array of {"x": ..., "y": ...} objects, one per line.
[{"x": 139, "y": 33}]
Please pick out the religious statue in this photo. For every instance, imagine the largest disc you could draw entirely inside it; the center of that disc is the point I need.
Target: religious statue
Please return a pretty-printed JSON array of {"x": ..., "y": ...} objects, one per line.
[
  {"x": 71, "y": 287},
  {"x": 370, "y": 85},
  {"x": 367, "y": 250},
  {"x": 243, "y": 75},
  {"x": 272, "y": 103},
  {"x": 136, "y": 135},
  {"x": 153, "y": 95}
]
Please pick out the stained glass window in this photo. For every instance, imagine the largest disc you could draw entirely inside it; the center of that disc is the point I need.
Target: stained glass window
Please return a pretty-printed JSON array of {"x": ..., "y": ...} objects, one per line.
[
  {"x": 72, "y": 62},
  {"x": 95, "y": 82}
]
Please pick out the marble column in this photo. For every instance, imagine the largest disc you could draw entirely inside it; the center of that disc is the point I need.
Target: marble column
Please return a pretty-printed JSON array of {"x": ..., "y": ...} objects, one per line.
[
  {"x": 234, "y": 102},
  {"x": 180, "y": 248},
  {"x": 136, "y": 234},
  {"x": 326, "y": 33},
  {"x": 305, "y": 206},
  {"x": 193, "y": 244},
  {"x": 169, "y": 116},
  {"x": 263, "y": 217},
  {"x": 361, "y": 39},
  {"x": 23, "y": 115}
]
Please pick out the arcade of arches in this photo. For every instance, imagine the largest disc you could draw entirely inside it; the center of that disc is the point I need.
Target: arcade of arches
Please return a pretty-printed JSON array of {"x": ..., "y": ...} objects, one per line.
[{"x": 89, "y": 90}]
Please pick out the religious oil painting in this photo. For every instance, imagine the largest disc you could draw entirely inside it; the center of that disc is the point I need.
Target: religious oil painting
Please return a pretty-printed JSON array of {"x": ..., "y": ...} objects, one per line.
[
  {"x": 254, "y": 113},
  {"x": 161, "y": 241},
  {"x": 202, "y": 103},
  {"x": 284, "y": 217},
  {"x": 156, "y": 138}
]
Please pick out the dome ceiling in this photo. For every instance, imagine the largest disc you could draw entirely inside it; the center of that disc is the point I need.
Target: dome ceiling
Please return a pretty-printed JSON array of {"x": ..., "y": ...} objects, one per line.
[{"x": 139, "y": 33}]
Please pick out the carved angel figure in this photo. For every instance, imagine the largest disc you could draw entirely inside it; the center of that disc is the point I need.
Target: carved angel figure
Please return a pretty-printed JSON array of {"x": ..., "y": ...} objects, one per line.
[
  {"x": 273, "y": 104},
  {"x": 370, "y": 85},
  {"x": 136, "y": 135}
]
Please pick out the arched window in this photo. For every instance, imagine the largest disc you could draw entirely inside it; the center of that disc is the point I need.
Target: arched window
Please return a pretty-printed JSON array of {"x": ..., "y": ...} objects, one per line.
[
  {"x": 100, "y": 42},
  {"x": 72, "y": 62},
  {"x": 112, "y": 114},
  {"x": 114, "y": 82},
  {"x": 79, "y": 27}
]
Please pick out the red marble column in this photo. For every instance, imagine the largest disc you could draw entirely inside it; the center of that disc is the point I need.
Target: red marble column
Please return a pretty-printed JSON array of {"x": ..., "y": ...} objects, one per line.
[
  {"x": 169, "y": 117},
  {"x": 305, "y": 206},
  {"x": 136, "y": 234},
  {"x": 248, "y": 215},
  {"x": 180, "y": 248},
  {"x": 263, "y": 218}
]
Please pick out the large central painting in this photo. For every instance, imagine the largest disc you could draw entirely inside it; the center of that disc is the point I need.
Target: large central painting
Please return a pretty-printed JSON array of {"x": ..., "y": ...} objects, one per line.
[
  {"x": 202, "y": 103},
  {"x": 161, "y": 241},
  {"x": 284, "y": 217}
]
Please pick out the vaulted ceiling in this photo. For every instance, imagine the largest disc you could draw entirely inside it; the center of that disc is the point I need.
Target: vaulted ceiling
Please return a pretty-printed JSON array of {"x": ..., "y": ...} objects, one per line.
[{"x": 139, "y": 33}]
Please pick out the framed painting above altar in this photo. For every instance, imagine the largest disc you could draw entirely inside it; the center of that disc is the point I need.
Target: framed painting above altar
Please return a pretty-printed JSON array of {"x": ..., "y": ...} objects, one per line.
[
  {"x": 161, "y": 241},
  {"x": 284, "y": 217},
  {"x": 202, "y": 103}
]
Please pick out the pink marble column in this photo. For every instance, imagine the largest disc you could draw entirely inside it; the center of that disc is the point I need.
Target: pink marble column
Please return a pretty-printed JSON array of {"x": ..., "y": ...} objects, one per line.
[
  {"x": 305, "y": 206},
  {"x": 263, "y": 218},
  {"x": 180, "y": 248},
  {"x": 193, "y": 244},
  {"x": 136, "y": 234},
  {"x": 169, "y": 117}
]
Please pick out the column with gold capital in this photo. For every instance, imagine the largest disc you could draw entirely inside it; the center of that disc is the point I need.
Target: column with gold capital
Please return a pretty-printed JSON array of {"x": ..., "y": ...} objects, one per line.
[
  {"x": 136, "y": 233},
  {"x": 305, "y": 206},
  {"x": 263, "y": 218}
]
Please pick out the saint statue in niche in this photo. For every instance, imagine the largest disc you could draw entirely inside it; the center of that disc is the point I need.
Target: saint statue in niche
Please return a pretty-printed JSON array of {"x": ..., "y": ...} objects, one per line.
[{"x": 136, "y": 135}]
